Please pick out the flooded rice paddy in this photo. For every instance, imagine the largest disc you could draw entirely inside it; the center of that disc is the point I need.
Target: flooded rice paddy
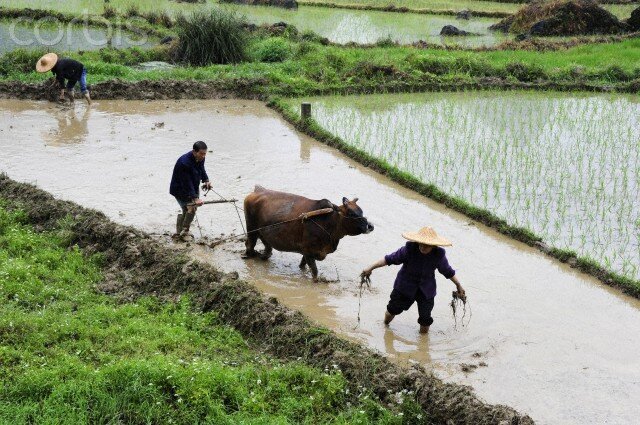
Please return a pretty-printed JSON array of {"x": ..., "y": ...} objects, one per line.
[
  {"x": 338, "y": 25},
  {"x": 623, "y": 11},
  {"x": 554, "y": 343},
  {"x": 364, "y": 27},
  {"x": 565, "y": 166},
  {"x": 65, "y": 38}
]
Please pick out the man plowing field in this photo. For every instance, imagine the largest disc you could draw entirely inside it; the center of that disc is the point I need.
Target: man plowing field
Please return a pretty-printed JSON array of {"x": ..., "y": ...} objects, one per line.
[{"x": 185, "y": 187}]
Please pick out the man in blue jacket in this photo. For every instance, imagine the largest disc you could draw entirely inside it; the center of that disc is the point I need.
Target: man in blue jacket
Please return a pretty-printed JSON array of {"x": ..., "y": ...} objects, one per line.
[{"x": 185, "y": 186}]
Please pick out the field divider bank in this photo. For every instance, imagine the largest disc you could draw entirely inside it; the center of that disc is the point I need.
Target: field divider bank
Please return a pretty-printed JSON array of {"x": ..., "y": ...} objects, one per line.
[
  {"x": 403, "y": 9},
  {"x": 261, "y": 88},
  {"x": 587, "y": 265},
  {"x": 138, "y": 265}
]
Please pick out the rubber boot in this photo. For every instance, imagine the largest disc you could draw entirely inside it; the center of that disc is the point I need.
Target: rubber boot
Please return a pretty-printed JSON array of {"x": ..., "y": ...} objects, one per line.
[
  {"x": 87, "y": 96},
  {"x": 186, "y": 224},
  {"x": 179, "y": 221}
]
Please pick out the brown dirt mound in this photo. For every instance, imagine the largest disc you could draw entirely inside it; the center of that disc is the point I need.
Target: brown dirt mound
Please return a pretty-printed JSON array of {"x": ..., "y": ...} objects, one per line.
[
  {"x": 139, "y": 265},
  {"x": 562, "y": 18}
]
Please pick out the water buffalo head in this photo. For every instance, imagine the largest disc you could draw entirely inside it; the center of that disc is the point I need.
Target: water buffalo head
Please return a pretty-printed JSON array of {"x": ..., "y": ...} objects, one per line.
[{"x": 354, "y": 222}]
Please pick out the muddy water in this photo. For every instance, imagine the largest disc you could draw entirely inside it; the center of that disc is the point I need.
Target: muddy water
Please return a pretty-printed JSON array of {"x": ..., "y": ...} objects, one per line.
[
  {"x": 62, "y": 37},
  {"x": 556, "y": 344}
]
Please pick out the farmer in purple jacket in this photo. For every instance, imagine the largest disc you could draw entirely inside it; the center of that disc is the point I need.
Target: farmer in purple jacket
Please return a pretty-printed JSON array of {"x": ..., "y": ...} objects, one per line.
[{"x": 416, "y": 280}]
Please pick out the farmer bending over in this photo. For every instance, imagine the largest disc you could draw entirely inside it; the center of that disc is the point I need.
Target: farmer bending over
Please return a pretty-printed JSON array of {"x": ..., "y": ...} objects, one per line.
[
  {"x": 65, "y": 69},
  {"x": 416, "y": 280},
  {"x": 187, "y": 175}
]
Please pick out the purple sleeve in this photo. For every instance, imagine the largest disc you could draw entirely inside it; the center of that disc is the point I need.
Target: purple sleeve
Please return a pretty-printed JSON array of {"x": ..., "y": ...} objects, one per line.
[
  {"x": 444, "y": 268},
  {"x": 398, "y": 257}
]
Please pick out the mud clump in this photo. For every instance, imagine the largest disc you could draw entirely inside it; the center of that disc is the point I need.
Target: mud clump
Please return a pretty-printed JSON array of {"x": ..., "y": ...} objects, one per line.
[
  {"x": 453, "y": 31},
  {"x": 137, "y": 265},
  {"x": 562, "y": 18}
]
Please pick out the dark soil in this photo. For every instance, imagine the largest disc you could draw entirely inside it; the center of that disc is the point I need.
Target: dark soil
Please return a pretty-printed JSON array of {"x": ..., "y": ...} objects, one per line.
[
  {"x": 141, "y": 90},
  {"x": 562, "y": 18},
  {"x": 634, "y": 20},
  {"x": 138, "y": 265}
]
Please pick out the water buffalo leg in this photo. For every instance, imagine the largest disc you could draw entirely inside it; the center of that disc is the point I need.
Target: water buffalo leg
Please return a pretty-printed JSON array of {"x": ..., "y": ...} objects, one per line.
[
  {"x": 250, "y": 244},
  {"x": 268, "y": 250},
  {"x": 314, "y": 269},
  {"x": 303, "y": 262}
]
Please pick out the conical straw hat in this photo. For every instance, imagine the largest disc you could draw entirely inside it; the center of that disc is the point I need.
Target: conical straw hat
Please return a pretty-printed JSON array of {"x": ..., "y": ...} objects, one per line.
[
  {"x": 46, "y": 62},
  {"x": 427, "y": 236}
]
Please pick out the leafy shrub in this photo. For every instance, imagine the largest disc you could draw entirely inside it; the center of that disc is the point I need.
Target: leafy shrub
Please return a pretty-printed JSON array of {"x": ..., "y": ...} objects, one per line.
[
  {"x": 305, "y": 47},
  {"x": 431, "y": 65},
  {"x": 159, "y": 18},
  {"x": 273, "y": 50},
  {"x": 109, "y": 11},
  {"x": 386, "y": 42},
  {"x": 132, "y": 11},
  {"x": 616, "y": 73},
  {"x": 525, "y": 72},
  {"x": 213, "y": 36}
]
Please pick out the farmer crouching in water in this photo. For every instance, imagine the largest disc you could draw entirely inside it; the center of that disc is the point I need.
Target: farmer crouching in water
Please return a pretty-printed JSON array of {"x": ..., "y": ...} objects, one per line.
[
  {"x": 187, "y": 175},
  {"x": 416, "y": 280},
  {"x": 65, "y": 69}
]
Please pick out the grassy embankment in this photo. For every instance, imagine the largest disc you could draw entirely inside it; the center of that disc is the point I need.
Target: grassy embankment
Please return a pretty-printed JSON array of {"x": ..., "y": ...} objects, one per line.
[
  {"x": 295, "y": 66},
  {"x": 71, "y": 355}
]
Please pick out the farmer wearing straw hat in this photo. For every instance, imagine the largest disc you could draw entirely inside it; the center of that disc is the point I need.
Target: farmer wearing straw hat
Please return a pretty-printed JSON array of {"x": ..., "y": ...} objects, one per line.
[
  {"x": 65, "y": 69},
  {"x": 416, "y": 281}
]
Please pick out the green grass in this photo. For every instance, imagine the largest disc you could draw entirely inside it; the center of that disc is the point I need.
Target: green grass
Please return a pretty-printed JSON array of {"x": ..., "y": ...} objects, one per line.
[
  {"x": 70, "y": 355},
  {"x": 313, "y": 68}
]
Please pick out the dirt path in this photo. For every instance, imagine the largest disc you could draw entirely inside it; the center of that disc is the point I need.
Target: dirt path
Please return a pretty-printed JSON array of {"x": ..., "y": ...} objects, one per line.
[{"x": 551, "y": 338}]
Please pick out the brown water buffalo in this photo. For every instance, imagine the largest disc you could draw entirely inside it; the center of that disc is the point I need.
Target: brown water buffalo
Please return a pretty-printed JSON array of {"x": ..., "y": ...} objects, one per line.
[{"x": 314, "y": 237}]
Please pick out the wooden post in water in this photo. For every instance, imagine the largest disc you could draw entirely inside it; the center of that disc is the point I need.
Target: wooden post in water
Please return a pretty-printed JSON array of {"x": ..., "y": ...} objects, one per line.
[{"x": 305, "y": 111}]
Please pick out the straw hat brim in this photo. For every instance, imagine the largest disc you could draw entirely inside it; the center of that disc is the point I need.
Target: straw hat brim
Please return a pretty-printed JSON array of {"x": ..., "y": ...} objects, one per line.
[
  {"x": 427, "y": 240},
  {"x": 47, "y": 62}
]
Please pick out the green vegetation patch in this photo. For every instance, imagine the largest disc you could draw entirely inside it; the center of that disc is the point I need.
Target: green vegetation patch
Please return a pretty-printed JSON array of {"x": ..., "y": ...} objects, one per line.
[{"x": 71, "y": 355}]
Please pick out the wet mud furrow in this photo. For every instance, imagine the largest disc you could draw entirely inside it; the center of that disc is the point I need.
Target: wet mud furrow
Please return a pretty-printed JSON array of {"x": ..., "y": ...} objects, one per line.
[{"x": 139, "y": 265}]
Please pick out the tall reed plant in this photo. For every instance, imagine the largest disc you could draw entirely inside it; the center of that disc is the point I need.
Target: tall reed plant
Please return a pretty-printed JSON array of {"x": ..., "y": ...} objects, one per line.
[{"x": 211, "y": 36}]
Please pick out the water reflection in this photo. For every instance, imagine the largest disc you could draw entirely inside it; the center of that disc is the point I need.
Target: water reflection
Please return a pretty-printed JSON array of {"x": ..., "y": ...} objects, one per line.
[{"x": 72, "y": 127}]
